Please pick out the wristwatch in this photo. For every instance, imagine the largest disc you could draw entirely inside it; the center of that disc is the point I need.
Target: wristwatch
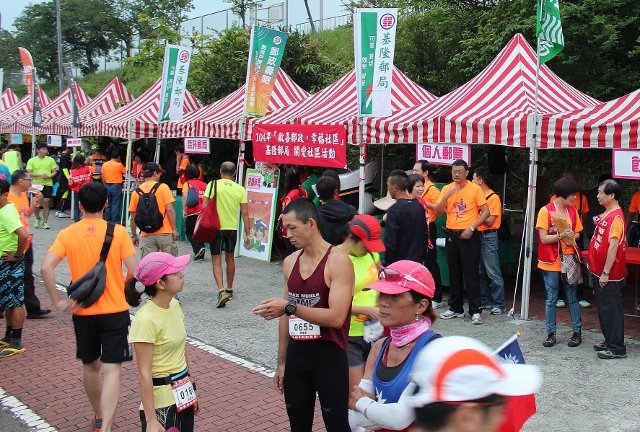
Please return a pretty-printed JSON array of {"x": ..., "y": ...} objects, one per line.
[
  {"x": 291, "y": 307},
  {"x": 605, "y": 273}
]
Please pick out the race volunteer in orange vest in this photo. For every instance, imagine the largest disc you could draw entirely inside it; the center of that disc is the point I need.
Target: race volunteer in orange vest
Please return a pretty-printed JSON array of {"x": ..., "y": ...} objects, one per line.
[
  {"x": 607, "y": 266},
  {"x": 550, "y": 242}
]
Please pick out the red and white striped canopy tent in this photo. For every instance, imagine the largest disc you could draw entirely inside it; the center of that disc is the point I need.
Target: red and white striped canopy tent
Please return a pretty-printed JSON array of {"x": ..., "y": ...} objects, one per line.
[
  {"x": 114, "y": 95},
  {"x": 338, "y": 104},
  {"x": 23, "y": 107},
  {"x": 58, "y": 107},
  {"x": 613, "y": 124},
  {"x": 7, "y": 100},
  {"x": 223, "y": 118},
  {"x": 492, "y": 108},
  {"x": 143, "y": 111}
]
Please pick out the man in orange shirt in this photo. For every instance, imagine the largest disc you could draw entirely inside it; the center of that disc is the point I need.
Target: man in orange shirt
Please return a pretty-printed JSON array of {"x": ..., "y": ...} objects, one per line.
[
  {"x": 491, "y": 281},
  {"x": 164, "y": 239},
  {"x": 112, "y": 173},
  {"x": 182, "y": 162},
  {"x": 101, "y": 329},
  {"x": 20, "y": 184},
  {"x": 466, "y": 209},
  {"x": 431, "y": 195}
]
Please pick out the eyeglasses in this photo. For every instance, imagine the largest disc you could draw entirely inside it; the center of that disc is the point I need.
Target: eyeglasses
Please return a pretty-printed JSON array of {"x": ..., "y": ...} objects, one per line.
[
  {"x": 458, "y": 172},
  {"x": 25, "y": 178},
  {"x": 392, "y": 275}
]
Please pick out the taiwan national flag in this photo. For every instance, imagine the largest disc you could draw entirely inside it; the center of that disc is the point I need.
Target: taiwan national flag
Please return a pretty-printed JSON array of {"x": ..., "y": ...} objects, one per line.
[{"x": 519, "y": 408}]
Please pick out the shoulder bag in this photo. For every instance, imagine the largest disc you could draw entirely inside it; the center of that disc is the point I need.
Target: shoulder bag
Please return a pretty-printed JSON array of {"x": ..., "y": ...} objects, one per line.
[
  {"x": 208, "y": 223},
  {"x": 571, "y": 268}
]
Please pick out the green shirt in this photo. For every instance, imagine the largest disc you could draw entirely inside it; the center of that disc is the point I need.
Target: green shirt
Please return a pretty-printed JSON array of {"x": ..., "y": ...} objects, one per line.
[
  {"x": 11, "y": 159},
  {"x": 230, "y": 196},
  {"x": 43, "y": 165},
  {"x": 9, "y": 223}
]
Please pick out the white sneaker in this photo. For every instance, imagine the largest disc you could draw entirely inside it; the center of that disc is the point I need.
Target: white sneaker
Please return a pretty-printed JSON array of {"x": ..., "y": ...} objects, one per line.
[
  {"x": 451, "y": 314},
  {"x": 498, "y": 311},
  {"x": 584, "y": 304},
  {"x": 437, "y": 305},
  {"x": 63, "y": 215},
  {"x": 560, "y": 304},
  {"x": 476, "y": 319}
]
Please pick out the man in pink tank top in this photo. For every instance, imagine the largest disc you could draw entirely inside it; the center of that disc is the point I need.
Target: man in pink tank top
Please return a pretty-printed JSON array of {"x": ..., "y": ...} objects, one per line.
[{"x": 314, "y": 323}]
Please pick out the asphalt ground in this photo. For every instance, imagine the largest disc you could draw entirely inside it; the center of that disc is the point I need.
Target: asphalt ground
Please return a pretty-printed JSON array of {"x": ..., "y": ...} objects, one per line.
[{"x": 579, "y": 393}]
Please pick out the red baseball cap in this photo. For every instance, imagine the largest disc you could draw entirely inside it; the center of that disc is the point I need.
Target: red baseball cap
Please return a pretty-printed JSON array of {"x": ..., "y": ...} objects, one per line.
[
  {"x": 367, "y": 228},
  {"x": 403, "y": 276}
]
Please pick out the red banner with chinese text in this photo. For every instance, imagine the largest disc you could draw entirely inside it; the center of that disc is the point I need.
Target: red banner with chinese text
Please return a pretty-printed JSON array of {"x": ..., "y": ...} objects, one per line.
[{"x": 295, "y": 144}]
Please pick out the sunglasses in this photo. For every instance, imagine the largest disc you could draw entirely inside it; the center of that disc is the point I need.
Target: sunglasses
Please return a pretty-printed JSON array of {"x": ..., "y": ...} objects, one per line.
[{"x": 391, "y": 275}]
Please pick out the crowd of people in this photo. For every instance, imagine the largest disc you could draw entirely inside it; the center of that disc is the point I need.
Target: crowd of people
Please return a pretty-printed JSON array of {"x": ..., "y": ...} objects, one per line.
[{"x": 361, "y": 293}]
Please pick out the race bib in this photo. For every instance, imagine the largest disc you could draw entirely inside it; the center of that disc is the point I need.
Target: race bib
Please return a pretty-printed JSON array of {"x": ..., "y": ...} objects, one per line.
[
  {"x": 373, "y": 331},
  {"x": 300, "y": 329},
  {"x": 183, "y": 393}
]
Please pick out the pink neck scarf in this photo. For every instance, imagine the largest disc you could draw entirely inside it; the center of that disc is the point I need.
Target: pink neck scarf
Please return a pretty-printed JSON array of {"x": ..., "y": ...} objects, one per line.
[{"x": 401, "y": 336}]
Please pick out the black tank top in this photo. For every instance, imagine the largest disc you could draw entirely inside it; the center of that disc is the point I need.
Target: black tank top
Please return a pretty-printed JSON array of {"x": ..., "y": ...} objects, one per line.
[{"x": 314, "y": 292}]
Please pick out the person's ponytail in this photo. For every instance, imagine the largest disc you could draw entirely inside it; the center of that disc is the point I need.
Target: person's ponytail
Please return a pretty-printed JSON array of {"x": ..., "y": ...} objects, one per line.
[{"x": 133, "y": 293}]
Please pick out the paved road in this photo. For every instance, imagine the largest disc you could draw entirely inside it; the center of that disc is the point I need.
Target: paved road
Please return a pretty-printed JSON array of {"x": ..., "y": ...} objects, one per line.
[{"x": 580, "y": 392}]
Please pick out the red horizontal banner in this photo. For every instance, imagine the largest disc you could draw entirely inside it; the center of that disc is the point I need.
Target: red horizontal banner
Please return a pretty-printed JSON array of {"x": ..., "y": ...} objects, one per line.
[{"x": 295, "y": 144}]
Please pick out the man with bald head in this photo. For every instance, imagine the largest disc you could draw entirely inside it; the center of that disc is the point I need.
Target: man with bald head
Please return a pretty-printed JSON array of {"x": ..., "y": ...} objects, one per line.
[{"x": 229, "y": 195}]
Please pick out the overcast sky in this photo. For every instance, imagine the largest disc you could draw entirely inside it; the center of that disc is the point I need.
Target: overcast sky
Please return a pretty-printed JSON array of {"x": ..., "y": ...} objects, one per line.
[{"x": 10, "y": 9}]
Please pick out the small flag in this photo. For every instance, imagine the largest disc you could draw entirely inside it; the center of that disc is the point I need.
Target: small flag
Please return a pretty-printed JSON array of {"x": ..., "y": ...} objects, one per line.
[
  {"x": 518, "y": 408},
  {"x": 549, "y": 30},
  {"x": 75, "y": 111},
  {"x": 37, "y": 112}
]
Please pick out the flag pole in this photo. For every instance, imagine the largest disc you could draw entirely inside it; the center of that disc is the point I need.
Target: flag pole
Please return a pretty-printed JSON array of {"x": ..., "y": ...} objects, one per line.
[{"x": 532, "y": 125}]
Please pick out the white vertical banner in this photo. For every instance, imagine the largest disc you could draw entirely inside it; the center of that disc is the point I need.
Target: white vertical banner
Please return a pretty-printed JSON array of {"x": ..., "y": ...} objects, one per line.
[
  {"x": 374, "y": 46},
  {"x": 174, "y": 82}
]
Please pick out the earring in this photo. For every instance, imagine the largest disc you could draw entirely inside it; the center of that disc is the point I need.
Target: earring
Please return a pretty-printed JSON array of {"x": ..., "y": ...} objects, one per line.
[{"x": 417, "y": 316}]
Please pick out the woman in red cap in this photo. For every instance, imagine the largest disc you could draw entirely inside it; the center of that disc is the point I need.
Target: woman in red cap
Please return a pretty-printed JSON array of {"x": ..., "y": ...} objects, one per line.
[
  {"x": 405, "y": 292},
  {"x": 363, "y": 245},
  {"x": 158, "y": 336}
]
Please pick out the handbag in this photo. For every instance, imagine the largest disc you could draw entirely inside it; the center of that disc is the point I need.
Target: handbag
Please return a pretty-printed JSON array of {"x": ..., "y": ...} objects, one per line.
[
  {"x": 87, "y": 289},
  {"x": 208, "y": 223},
  {"x": 192, "y": 199},
  {"x": 570, "y": 269}
]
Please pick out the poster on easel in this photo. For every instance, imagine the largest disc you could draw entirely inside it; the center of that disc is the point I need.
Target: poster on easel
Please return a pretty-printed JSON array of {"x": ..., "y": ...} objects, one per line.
[{"x": 262, "y": 195}]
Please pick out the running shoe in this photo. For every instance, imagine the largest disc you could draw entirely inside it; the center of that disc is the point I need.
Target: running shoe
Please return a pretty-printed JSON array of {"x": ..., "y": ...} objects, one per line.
[
  {"x": 476, "y": 319},
  {"x": 560, "y": 304},
  {"x": 437, "y": 305},
  {"x": 451, "y": 314},
  {"x": 63, "y": 215},
  {"x": 606, "y": 355},
  {"x": 45, "y": 226},
  {"x": 223, "y": 298},
  {"x": 498, "y": 311},
  {"x": 200, "y": 254},
  {"x": 36, "y": 224},
  {"x": 584, "y": 304},
  {"x": 230, "y": 292},
  {"x": 96, "y": 423}
]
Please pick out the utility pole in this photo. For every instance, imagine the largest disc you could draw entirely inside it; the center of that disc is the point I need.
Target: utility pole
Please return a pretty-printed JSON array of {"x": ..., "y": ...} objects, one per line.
[
  {"x": 59, "y": 24},
  {"x": 321, "y": 15}
]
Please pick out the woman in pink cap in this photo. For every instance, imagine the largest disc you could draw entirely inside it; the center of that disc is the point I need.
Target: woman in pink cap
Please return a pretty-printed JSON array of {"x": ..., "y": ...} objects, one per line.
[
  {"x": 405, "y": 292},
  {"x": 158, "y": 336},
  {"x": 363, "y": 245}
]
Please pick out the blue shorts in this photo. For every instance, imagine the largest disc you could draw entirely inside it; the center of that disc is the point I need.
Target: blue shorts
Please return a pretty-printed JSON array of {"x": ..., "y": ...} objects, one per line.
[{"x": 12, "y": 284}]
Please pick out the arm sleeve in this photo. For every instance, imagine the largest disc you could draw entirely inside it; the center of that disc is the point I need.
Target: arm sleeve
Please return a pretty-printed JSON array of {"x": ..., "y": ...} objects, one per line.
[{"x": 374, "y": 415}]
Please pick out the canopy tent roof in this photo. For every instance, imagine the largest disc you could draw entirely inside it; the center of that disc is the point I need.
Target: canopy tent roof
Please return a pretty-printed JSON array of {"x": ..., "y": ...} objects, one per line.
[
  {"x": 492, "y": 108},
  {"x": 114, "y": 95},
  {"x": 613, "y": 124},
  {"x": 338, "y": 103},
  {"x": 222, "y": 118},
  {"x": 22, "y": 107},
  {"x": 58, "y": 107},
  {"x": 7, "y": 100},
  {"x": 143, "y": 111}
]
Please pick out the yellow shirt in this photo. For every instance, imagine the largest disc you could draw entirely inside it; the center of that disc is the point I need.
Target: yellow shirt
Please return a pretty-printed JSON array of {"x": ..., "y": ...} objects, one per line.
[
  {"x": 164, "y": 328},
  {"x": 230, "y": 196}
]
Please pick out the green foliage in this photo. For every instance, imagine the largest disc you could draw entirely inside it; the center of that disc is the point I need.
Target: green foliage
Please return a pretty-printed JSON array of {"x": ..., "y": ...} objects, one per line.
[{"x": 242, "y": 7}]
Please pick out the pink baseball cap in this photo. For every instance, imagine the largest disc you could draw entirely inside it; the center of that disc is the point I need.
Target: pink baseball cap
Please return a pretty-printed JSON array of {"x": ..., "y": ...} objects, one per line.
[
  {"x": 460, "y": 368},
  {"x": 157, "y": 264},
  {"x": 403, "y": 276}
]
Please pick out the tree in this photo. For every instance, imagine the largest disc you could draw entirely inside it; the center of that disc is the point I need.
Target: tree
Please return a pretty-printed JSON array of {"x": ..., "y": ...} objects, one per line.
[
  {"x": 241, "y": 7},
  {"x": 10, "y": 59}
]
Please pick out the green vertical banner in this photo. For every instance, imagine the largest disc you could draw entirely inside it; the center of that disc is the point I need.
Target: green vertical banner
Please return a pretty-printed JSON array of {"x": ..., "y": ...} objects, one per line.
[
  {"x": 265, "y": 55},
  {"x": 174, "y": 82},
  {"x": 374, "y": 43},
  {"x": 549, "y": 29}
]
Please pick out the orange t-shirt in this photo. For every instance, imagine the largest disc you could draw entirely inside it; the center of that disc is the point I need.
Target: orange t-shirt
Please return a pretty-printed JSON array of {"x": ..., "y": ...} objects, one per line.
[
  {"x": 634, "y": 207},
  {"x": 495, "y": 209},
  {"x": 184, "y": 163},
  {"x": 431, "y": 194},
  {"x": 543, "y": 223},
  {"x": 22, "y": 205},
  {"x": 163, "y": 197},
  {"x": 81, "y": 243},
  {"x": 463, "y": 207},
  {"x": 112, "y": 172}
]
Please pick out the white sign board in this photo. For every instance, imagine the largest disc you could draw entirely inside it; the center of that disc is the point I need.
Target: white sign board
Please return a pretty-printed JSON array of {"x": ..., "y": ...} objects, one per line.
[
  {"x": 444, "y": 154},
  {"x": 197, "y": 146},
  {"x": 54, "y": 140},
  {"x": 626, "y": 164},
  {"x": 74, "y": 142}
]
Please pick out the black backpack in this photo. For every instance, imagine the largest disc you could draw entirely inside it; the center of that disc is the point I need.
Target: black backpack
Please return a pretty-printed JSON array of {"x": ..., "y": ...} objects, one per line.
[{"x": 148, "y": 217}]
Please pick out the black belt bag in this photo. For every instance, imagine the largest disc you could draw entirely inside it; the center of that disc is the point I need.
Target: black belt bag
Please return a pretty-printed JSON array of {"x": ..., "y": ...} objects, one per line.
[{"x": 169, "y": 379}]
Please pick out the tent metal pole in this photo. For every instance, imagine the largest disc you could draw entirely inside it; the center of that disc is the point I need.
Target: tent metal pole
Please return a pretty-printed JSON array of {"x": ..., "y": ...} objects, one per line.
[{"x": 361, "y": 178}]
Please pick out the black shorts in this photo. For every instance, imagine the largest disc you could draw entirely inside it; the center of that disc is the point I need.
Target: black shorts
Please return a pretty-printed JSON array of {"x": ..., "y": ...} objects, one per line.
[
  {"x": 47, "y": 191},
  {"x": 357, "y": 351},
  {"x": 104, "y": 337},
  {"x": 224, "y": 241},
  {"x": 12, "y": 284}
]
